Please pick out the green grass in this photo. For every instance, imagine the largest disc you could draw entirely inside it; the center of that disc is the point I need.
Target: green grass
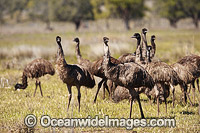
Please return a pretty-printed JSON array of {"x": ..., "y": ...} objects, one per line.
[{"x": 15, "y": 105}]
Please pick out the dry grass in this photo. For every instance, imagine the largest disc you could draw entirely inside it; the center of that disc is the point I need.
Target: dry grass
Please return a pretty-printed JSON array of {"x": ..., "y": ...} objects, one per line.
[{"x": 18, "y": 47}]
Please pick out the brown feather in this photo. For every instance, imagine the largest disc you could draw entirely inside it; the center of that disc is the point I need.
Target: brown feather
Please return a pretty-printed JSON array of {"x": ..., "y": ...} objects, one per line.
[{"x": 36, "y": 69}]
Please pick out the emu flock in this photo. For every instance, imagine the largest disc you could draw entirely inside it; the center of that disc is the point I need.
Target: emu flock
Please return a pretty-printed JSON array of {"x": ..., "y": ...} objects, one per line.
[{"x": 124, "y": 78}]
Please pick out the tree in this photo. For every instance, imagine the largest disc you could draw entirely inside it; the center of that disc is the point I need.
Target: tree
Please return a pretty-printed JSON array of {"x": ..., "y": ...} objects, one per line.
[
  {"x": 191, "y": 8},
  {"x": 128, "y": 9},
  {"x": 17, "y": 7},
  {"x": 73, "y": 10},
  {"x": 42, "y": 10},
  {"x": 4, "y": 4},
  {"x": 170, "y": 9},
  {"x": 101, "y": 9}
]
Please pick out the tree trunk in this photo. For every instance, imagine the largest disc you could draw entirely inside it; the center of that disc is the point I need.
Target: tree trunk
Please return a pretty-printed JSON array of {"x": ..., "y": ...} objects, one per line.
[
  {"x": 196, "y": 21},
  {"x": 77, "y": 24},
  {"x": 48, "y": 25},
  {"x": 107, "y": 24},
  {"x": 18, "y": 19},
  {"x": 127, "y": 25},
  {"x": 173, "y": 23}
]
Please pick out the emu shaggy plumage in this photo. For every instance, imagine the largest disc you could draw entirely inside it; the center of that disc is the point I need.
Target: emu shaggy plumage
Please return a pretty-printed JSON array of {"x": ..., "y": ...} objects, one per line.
[
  {"x": 35, "y": 69},
  {"x": 72, "y": 75},
  {"x": 95, "y": 68},
  {"x": 128, "y": 75}
]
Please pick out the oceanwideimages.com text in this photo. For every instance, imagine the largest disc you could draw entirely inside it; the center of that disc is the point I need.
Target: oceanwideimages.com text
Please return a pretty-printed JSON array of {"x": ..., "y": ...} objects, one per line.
[{"x": 47, "y": 121}]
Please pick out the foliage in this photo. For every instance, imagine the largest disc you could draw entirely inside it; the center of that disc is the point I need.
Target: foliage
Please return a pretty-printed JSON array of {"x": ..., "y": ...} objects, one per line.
[
  {"x": 73, "y": 10},
  {"x": 174, "y": 10},
  {"x": 42, "y": 10},
  {"x": 128, "y": 9},
  {"x": 171, "y": 9},
  {"x": 3, "y": 9},
  {"x": 191, "y": 9}
]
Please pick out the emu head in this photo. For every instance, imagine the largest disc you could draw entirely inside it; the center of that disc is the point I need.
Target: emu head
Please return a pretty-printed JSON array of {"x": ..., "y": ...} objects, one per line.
[
  {"x": 149, "y": 48},
  {"x": 136, "y": 35},
  {"x": 58, "y": 39},
  {"x": 105, "y": 40},
  {"x": 76, "y": 40},
  {"x": 17, "y": 86},
  {"x": 153, "y": 37},
  {"x": 144, "y": 30}
]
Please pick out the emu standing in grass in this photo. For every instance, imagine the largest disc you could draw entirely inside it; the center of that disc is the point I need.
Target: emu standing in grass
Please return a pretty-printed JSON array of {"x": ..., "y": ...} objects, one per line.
[
  {"x": 95, "y": 68},
  {"x": 185, "y": 76},
  {"x": 191, "y": 64},
  {"x": 84, "y": 62},
  {"x": 35, "y": 69},
  {"x": 72, "y": 75},
  {"x": 128, "y": 75},
  {"x": 161, "y": 72}
]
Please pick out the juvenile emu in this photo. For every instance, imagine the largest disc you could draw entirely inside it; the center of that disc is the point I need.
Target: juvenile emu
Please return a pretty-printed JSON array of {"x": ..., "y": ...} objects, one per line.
[
  {"x": 95, "y": 68},
  {"x": 128, "y": 75},
  {"x": 130, "y": 57},
  {"x": 191, "y": 66},
  {"x": 35, "y": 69},
  {"x": 72, "y": 75}
]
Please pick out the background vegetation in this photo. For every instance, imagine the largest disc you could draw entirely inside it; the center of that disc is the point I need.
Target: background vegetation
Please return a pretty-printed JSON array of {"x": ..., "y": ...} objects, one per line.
[
  {"x": 28, "y": 29},
  {"x": 77, "y": 11}
]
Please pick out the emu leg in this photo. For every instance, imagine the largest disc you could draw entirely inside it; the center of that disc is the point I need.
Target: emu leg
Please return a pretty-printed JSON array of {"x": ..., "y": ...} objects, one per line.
[
  {"x": 149, "y": 97},
  {"x": 112, "y": 87},
  {"x": 140, "y": 106},
  {"x": 165, "y": 100},
  {"x": 158, "y": 105},
  {"x": 193, "y": 89},
  {"x": 198, "y": 85},
  {"x": 70, "y": 96},
  {"x": 99, "y": 86},
  {"x": 79, "y": 98},
  {"x": 131, "y": 101},
  {"x": 186, "y": 95},
  {"x": 40, "y": 88},
  {"x": 36, "y": 84},
  {"x": 184, "y": 90},
  {"x": 173, "y": 96},
  {"x": 131, "y": 104},
  {"x": 157, "y": 92},
  {"x": 106, "y": 86},
  {"x": 104, "y": 90},
  {"x": 190, "y": 88}
]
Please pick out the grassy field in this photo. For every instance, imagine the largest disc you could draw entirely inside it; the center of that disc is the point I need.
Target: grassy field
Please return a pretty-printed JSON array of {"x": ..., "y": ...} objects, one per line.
[{"x": 19, "y": 48}]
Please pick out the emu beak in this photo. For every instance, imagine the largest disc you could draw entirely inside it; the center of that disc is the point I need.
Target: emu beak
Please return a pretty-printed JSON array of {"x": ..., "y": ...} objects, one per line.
[{"x": 133, "y": 37}]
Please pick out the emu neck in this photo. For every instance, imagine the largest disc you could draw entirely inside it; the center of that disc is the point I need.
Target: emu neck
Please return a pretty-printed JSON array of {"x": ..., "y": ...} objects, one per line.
[
  {"x": 106, "y": 60},
  {"x": 24, "y": 82},
  {"x": 106, "y": 50},
  {"x": 144, "y": 39},
  {"x": 153, "y": 48},
  {"x": 144, "y": 47},
  {"x": 78, "y": 53},
  {"x": 60, "y": 55},
  {"x": 138, "y": 41},
  {"x": 138, "y": 51},
  {"x": 148, "y": 56}
]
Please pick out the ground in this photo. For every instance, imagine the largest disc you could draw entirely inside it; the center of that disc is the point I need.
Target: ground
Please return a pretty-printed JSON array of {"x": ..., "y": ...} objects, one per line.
[{"x": 19, "y": 48}]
